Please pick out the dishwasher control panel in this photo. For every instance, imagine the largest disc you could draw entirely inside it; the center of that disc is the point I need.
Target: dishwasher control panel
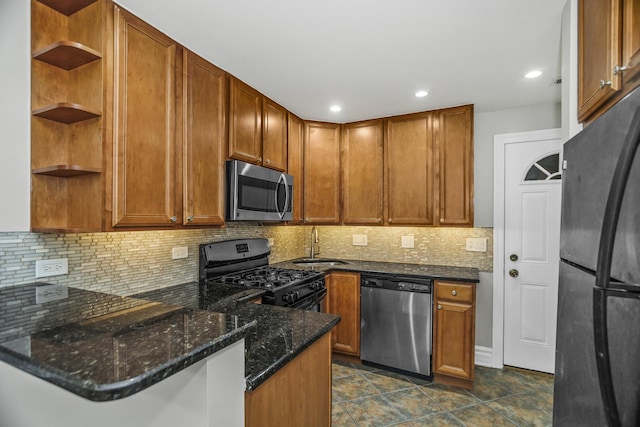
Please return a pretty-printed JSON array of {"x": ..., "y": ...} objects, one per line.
[{"x": 408, "y": 284}]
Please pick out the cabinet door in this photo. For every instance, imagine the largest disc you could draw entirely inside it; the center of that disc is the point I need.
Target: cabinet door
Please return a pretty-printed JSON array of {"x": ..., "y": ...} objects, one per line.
[
  {"x": 343, "y": 299},
  {"x": 145, "y": 142},
  {"x": 453, "y": 132},
  {"x": 245, "y": 122},
  {"x": 454, "y": 330},
  {"x": 295, "y": 168},
  {"x": 274, "y": 136},
  {"x": 204, "y": 109},
  {"x": 631, "y": 39},
  {"x": 322, "y": 173},
  {"x": 599, "y": 48},
  {"x": 362, "y": 173},
  {"x": 409, "y": 169}
]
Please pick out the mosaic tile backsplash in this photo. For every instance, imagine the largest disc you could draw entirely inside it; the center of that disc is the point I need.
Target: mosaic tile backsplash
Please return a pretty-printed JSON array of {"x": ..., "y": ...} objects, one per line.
[{"x": 125, "y": 263}]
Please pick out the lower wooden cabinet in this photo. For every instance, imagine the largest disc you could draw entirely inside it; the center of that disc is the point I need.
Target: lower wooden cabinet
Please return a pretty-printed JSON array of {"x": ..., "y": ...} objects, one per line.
[
  {"x": 343, "y": 299},
  {"x": 454, "y": 333},
  {"x": 299, "y": 394}
]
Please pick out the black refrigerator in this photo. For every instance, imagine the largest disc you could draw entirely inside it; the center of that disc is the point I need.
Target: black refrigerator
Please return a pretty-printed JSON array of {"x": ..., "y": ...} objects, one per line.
[{"x": 597, "y": 378}]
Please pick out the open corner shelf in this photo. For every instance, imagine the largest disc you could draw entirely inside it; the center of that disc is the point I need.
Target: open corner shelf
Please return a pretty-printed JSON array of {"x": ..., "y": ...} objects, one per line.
[
  {"x": 65, "y": 112},
  {"x": 66, "y": 171},
  {"x": 67, "y": 7},
  {"x": 67, "y": 54}
]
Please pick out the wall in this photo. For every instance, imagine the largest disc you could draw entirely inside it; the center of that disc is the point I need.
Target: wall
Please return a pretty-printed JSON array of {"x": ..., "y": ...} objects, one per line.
[
  {"x": 15, "y": 78},
  {"x": 569, "y": 42},
  {"x": 125, "y": 263}
]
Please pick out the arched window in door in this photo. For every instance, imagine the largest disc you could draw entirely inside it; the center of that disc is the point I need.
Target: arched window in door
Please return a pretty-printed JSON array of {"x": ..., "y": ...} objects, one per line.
[{"x": 545, "y": 169}]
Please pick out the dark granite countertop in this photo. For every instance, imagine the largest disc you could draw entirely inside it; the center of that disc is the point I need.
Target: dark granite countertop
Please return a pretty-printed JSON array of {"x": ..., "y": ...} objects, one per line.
[
  {"x": 280, "y": 333},
  {"x": 77, "y": 342},
  {"x": 463, "y": 274}
]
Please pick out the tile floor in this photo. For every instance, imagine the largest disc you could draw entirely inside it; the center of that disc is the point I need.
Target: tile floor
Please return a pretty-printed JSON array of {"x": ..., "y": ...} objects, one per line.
[{"x": 364, "y": 396}]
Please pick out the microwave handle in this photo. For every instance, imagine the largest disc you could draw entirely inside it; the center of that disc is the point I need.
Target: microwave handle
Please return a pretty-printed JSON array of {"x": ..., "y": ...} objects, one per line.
[{"x": 283, "y": 178}]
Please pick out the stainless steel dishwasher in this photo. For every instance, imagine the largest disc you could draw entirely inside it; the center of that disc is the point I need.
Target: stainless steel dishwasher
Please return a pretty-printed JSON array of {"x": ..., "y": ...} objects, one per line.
[{"x": 396, "y": 322}]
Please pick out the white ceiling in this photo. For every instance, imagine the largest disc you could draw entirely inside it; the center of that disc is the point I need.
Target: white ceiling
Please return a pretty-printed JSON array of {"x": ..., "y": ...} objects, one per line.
[{"x": 371, "y": 56}]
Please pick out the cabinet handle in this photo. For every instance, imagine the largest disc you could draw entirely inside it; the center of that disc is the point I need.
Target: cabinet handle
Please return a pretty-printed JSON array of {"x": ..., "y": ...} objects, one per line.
[
  {"x": 190, "y": 218},
  {"x": 439, "y": 307},
  {"x": 618, "y": 69},
  {"x": 173, "y": 218},
  {"x": 454, "y": 292},
  {"x": 603, "y": 84}
]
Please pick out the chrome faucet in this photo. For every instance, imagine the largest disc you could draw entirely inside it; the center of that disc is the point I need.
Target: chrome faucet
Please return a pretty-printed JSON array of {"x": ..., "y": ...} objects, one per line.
[{"x": 314, "y": 242}]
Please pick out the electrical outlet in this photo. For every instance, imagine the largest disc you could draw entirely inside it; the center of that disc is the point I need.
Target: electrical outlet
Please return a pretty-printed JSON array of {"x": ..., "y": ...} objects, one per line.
[
  {"x": 359, "y": 240},
  {"x": 52, "y": 267},
  {"x": 272, "y": 242},
  {"x": 49, "y": 293},
  {"x": 476, "y": 244},
  {"x": 180, "y": 252},
  {"x": 408, "y": 241}
]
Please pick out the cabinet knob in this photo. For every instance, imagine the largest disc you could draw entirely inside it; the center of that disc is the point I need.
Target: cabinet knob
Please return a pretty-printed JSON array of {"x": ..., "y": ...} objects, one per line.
[
  {"x": 259, "y": 159},
  {"x": 604, "y": 83},
  {"x": 390, "y": 220},
  {"x": 454, "y": 292},
  {"x": 190, "y": 218},
  {"x": 441, "y": 220},
  {"x": 267, "y": 161},
  {"x": 439, "y": 307},
  {"x": 379, "y": 220},
  {"x": 173, "y": 218},
  {"x": 618, "y": 69}
]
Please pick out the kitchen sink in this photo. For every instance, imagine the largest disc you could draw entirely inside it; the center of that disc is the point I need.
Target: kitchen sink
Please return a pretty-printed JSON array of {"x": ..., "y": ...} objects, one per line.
[{"x": 319, "y": 262}]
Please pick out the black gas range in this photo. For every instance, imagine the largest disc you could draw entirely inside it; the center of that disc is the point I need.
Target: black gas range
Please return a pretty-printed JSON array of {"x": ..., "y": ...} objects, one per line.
[{"x": 245, "y": 263}]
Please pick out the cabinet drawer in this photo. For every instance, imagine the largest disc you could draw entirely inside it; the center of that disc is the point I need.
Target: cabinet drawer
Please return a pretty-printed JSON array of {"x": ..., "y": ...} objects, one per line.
[{"x": 458, "y": 292}]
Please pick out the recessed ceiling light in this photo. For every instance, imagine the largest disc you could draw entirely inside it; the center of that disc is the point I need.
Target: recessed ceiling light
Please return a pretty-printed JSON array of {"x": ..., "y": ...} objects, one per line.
[
  {"x": 421, "y": 93},
  {"x": 335, "y": 108},
  {"x": 533, "y": 74}
]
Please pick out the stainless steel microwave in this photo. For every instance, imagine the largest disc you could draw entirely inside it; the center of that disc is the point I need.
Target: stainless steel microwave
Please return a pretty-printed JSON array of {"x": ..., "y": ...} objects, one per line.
[{"x": 255, "y": 193}]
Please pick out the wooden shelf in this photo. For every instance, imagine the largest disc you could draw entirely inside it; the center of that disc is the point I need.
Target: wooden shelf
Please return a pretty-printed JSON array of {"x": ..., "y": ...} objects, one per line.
[
  {"x": 67, "y": 55},
  {"x": 65, "y": 112},
  {"x": 67, "y": 7},
  {"x": 66, "y": 171}
]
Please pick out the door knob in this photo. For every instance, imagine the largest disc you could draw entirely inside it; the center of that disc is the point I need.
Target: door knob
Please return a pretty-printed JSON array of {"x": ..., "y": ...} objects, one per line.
[
  {"x": 513, "y": 257},
  {"x": 513, "y": 272}
]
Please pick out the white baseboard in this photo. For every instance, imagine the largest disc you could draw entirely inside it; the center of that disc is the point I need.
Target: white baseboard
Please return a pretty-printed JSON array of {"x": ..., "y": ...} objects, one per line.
[{"x": 484, "y": 356}]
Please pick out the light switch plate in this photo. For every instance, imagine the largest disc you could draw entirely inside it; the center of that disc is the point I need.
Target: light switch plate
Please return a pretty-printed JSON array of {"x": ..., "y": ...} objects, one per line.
[
  {"x": 408, "y": 241},
  {"x": 180, "y": 252},
  {"x": 476, "y": 244},
  {"x": 360, "y": 240}
]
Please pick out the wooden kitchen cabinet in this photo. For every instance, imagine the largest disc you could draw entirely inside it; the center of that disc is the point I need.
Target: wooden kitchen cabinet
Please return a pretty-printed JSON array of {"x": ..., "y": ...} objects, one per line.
[
  {"x": 608, "y": 54},
  {"x": 204, "y": 110},
  {"x": 409, "y": 170},
  {"x": 454, "y": 333},
  {"x": 299, "y": 394},
  {"x": 145, "y": 151},
  {"x": 67, "y": 47},
  {"x": 343, "y": 299},
  {"x": 453, "y": 130},
  {"x": 362, "y": 178},
  {"x": 295, "y": 164},
  {"x": 257, "y": 127},
  {"x": 322, "y": 173}
]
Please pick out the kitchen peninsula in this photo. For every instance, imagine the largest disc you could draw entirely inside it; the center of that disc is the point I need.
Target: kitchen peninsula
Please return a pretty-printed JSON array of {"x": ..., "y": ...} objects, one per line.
[{"x": 175, "y": 363}]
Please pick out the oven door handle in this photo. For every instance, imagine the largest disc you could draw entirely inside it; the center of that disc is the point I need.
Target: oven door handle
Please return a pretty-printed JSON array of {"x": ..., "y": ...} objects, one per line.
[{"x": 310, "y": 301}]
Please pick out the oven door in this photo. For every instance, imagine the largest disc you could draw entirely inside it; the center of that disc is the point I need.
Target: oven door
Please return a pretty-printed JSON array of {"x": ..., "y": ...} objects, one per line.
[
  {"x": 256, "y": 193},
  {"x": 311, "y": 302}
]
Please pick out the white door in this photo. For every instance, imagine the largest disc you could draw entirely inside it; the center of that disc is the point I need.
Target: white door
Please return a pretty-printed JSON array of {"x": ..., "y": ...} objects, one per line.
[{"x": 531, "y": 249}]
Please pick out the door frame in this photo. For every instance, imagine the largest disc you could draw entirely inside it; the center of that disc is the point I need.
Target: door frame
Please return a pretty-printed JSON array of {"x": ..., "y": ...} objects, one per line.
[{"x": 499, "y": 147}]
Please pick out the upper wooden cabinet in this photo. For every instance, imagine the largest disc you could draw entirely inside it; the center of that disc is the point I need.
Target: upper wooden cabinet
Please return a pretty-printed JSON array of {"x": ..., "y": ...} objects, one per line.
[
  {"x": 362, "y": 165},
  {"x": 453, "y": 130},
  {"x": 144, "y": 149},
  {"x": 67, "y": 47},
  {"x": 608, "y": 53},
  {"x": 295, "y": 166},
  {"x": 257, "y": 127},
  {"x": 322, "y": 173},
  {"x": 204, "y": 110},
  {"x": 409, "y": 170}
]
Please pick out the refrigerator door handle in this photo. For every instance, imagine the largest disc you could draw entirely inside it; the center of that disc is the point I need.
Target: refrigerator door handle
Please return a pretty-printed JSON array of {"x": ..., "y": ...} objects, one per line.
[{"x": 603, "y": 268}]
